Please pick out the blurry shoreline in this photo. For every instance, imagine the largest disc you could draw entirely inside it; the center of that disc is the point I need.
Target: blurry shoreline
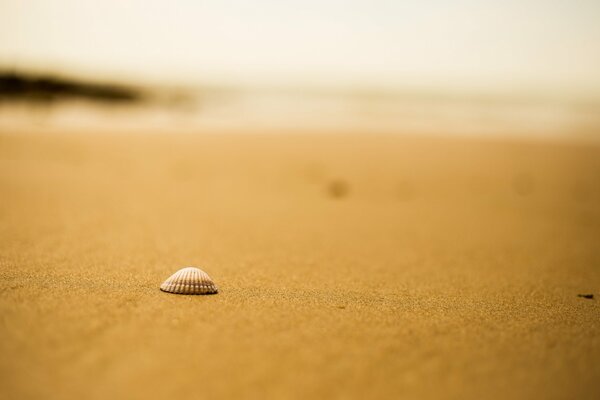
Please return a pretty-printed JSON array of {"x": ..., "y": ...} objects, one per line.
[
  {"x": 36, "y": 102},
  {"x": 48, "y": 88}
]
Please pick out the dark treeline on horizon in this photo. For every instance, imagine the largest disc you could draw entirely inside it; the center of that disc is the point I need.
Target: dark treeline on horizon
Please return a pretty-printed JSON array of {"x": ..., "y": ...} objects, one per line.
[{"x": 48, "y": 88}]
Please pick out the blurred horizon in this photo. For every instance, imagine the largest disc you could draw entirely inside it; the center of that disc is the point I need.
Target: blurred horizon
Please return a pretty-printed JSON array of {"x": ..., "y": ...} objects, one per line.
[
  {"x": 30, "y": 101},
  {"x": 516, "y": 67},
  {"x": 468, "y": 45}
]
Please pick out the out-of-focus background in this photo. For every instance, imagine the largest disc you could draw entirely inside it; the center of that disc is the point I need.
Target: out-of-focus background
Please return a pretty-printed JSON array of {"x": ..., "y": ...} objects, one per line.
[{"x": 461, "y": 67}]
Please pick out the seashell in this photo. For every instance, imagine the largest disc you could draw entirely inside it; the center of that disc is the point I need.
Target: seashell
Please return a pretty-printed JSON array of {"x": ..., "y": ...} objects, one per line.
[{"x": 189, "y": 280}]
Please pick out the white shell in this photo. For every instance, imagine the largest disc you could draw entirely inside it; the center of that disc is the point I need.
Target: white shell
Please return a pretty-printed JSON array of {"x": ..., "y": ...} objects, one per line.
[{"x": 189, "y": 280}]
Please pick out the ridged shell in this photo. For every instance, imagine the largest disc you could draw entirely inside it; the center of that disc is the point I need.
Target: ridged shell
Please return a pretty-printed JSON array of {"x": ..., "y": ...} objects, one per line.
[{"x": 189, "y": 280}]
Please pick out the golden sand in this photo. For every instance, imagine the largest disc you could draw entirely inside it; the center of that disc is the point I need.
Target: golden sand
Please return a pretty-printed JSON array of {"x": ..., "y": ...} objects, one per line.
[{"x": 348, "y": 267}]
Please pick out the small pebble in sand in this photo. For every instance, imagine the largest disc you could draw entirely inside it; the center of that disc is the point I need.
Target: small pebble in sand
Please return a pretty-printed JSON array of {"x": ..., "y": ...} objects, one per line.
[
  {"x": 189, "y": 280},
  {"x": 586, "y": 296},
  {"x": 338, "y": 189}
]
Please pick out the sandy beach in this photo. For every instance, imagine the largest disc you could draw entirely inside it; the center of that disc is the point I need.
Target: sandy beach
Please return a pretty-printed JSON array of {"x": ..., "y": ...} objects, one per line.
[{"x": 349, "y": 266}]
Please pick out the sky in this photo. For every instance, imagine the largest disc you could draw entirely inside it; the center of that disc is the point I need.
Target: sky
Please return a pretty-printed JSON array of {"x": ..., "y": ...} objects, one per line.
[{"x": 429, "y": 43}]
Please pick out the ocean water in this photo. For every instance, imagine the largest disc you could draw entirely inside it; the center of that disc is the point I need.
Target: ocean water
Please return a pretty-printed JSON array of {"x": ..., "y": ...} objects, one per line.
[{"x": 283, "y": 111}]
